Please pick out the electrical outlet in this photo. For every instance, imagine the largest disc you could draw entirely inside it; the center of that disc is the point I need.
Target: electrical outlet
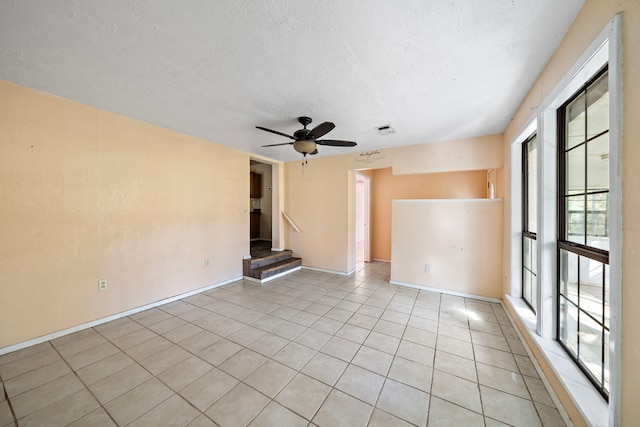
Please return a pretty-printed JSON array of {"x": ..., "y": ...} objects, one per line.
[
  {"x": 102, "y": 285},
  {"x": 207, "y": 263},
  {"x": 427, "y": 268}
]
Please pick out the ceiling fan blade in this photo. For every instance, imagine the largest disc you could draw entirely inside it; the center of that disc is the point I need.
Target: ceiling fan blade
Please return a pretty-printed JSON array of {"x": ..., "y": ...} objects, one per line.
[
  {"x": 321, "y": 130},
  {"x": 275, "y": 131},
  {"x": 336, "y": 143},
  {"x": 275, "y": 145}
]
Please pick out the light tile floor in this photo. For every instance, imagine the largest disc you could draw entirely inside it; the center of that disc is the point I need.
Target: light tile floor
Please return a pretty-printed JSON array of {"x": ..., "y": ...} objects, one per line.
[{"x": 310, "y": 348}]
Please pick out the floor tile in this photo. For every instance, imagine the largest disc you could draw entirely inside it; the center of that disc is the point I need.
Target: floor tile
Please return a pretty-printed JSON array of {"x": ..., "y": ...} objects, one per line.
[
  {"x": 199, "y": 341},
  {"x": 6, "y": 417},
  {"x": 303, "y": 395},
  {"x": 389, "y": 328},
  {"x": 134, "y": 338},
  {"x": 363, "y": 321},
  {"x": 29, "y": 363},
  {"x": 456, "y": 390},
  {"x": 503, "y": 380},
  {"x": 404, "y": 402},
  {"x": 81, "y": 344},
  {"x": 454, "y": 346},
  {"x": 508, "y": 408},
  {"x": 24, "y": 353},
  {"x": 383, "y": 419},
  {"x": 238, "y": 407},
  {"x": 342, "y": 410},
  {"x": 353, "y": 333},
  {"x": 270, "y": 378},
  {"x": 325, "y": 368},
  {"x": 525, "y": 366},
  {"x": 63, "y": 411},
  {"x": 96, "y": 418},
  {"x": 445, "y": 414},
  {"x": 538, "y": 391},
  {"x": 382, "y": 342},
  {"x": 374, "y": 360},
  {"x": 184, "y": 373},
  {"x": 416, "y": 352},
  {"x": 148, "y": 348},
  {"x": 420, "y": 336},
  {"x": 35, "y": 378},
  {"x": 220, "y": 351},
  {"x": 269, "y": 344},
  {"x": 119, "y": 383},
  {"x": 183, "y": 332},
  {"x": 497, "y": 358},
  {"x": 165, "y": 359},
  {"x": 137, "y": 401},
  {"x": 207, "y": 389},
  {"x": 288, "y": 330},
  {"x": 341, "y": 348},
  {"x": 44, "y": 395},
  {"x": 393, "y": 316},
  {"x": 456, "y": 365},
  {"x": 104, "y": 368},
  {"x": 313, "y": 338},
  {"x": 294, "y": 355},
  {"x": 549, "y": 415},
  {"x": 243, "y": 363},
  {"x": 361, "y": 383},
  {"x": 202, "y": 421},
  {"x": 411, "y": 373},
  {"x": 125, "y": 326},
  {"x": 422, "y": 323},
  {"x": 490, "y": 340},
  {"x": 275, "y": 414},
  {"x": 326, "y": 325}
]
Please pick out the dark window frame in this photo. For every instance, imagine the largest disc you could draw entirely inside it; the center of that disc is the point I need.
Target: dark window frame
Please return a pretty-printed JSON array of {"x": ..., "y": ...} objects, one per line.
[
  {"x": 582, "y": 250},
  {"x": 526, "y": 233}
]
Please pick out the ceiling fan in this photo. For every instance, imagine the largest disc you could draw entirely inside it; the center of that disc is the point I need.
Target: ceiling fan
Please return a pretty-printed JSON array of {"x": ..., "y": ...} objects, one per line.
[{"x": 305, "y": 140}]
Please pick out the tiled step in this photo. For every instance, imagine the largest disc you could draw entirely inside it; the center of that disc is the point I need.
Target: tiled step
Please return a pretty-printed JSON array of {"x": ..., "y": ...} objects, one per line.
[
  {"x": 269, "y": 259},
  {"x": 266, "y": 271}
]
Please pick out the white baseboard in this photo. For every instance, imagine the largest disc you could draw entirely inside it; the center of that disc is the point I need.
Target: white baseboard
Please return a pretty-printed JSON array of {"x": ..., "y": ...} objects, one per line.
[
  {"x": 93, "y": 323},
  {"x": 444, "y": 291},
  {"x": 342, "y": 273}
]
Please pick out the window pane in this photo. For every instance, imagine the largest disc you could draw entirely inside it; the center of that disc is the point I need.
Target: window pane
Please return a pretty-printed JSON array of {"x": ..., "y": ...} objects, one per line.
[
  {"x": 597, "y": 224},
  {"x": 532, "y": 185},
  {"x": 569, "y": 325},
  {"x": 575, "y": 122},
  {"x": 569, "y": 275},
  {"x": 591, "y": 272},
  {"x": 575, "y": 208},
  {"x": 534, "y": 257},
  {"x": 606, "y": 360},
  {"x": 591, "y": 346},
  {"x": 526, "y": 286},
  {"x": 526, "y": 253},
  {"x": 606, "y": 296},
  {"x": 598, "y": 106},
  {"x": 575, "y": 171},
  {"x": 598, "y": 163}
]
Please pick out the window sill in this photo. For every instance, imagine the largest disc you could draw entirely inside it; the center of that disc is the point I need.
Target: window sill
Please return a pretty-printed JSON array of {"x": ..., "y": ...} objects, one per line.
[{"x": 593, "y": 408}]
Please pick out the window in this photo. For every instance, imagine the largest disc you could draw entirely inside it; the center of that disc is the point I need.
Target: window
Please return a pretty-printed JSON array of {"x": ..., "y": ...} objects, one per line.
[
  {"x": 583, "y": 233},
  {"x": 529, "y": 226}
]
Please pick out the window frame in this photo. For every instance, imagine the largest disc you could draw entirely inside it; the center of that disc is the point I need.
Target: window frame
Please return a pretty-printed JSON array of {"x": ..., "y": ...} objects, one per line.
[
  {"x": 526, "y": 233},
  {"x": 582, "y": 250}
]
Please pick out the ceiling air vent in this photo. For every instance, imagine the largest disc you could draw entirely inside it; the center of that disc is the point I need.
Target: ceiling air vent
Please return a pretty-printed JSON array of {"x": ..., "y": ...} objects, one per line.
[{"x": 385, "y": 130}]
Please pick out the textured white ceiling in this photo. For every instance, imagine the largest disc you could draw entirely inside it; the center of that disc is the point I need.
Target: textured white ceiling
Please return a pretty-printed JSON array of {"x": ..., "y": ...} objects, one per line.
[{"x": 434, "y": 70}]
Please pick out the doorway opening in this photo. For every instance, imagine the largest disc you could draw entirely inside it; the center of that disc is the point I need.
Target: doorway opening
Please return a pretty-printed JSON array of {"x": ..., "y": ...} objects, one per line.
[
  {"x": 363, "y": 190},
  {"x": 261, "y": 206}
]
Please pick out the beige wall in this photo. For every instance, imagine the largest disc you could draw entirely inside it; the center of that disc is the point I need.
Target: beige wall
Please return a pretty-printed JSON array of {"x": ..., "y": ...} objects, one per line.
[
  {"x": 320, "y": 196},
  {"x": 594, "y": 16},
  {"x": 88, "y": 195},
  {"x": 386, "y": 187},
  {"x": 457, "y": 238}
]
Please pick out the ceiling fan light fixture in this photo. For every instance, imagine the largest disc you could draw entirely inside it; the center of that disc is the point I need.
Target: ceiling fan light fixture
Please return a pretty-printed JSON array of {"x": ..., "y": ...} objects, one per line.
[{"x": 304, "y": 147}]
